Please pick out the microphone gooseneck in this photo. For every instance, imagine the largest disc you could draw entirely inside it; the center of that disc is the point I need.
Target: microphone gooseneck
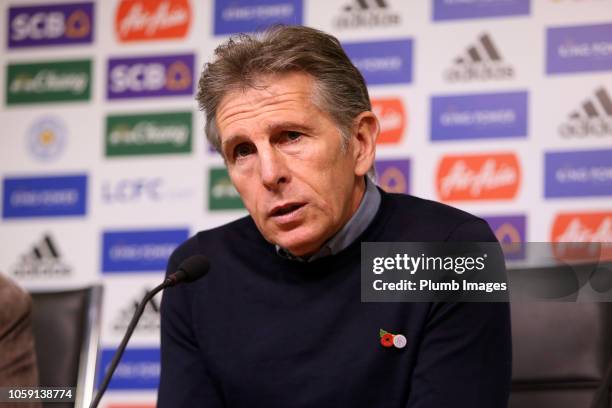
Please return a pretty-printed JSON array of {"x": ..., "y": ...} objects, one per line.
[{"x": 189, "y": 270}]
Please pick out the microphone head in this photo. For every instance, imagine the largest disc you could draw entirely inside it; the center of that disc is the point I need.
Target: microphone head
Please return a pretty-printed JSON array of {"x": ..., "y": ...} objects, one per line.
[{"x": 193, "y": 268}]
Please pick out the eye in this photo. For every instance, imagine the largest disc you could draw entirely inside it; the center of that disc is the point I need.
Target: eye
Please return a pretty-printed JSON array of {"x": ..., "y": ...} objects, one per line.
[
  {"x": 243, "y": 150},
  {"x": 292, "y": 135}
]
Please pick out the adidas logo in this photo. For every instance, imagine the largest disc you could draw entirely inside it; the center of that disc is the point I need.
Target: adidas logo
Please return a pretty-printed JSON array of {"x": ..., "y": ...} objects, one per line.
[
  {"x": 480, "y": 62},
  {"x": 365, "y": 5},
  {"x": 42, "y": 261},
  {"x": 592, "y": 118},
  {"x": 149, "y": 322},
  {"x": 365, "y": 14}
]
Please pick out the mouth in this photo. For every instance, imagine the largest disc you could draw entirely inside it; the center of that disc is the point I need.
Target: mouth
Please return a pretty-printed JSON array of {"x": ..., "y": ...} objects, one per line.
[{"x": 285, "y": 209}]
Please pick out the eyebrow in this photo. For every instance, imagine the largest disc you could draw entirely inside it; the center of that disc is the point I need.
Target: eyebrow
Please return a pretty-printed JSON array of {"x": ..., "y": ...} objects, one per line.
[
  {"x": 289, "y": 125},
  {"x": 229, "y": 141}
]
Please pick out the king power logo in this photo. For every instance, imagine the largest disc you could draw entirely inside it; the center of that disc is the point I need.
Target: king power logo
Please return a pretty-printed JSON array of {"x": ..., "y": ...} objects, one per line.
[
  {"x": 585, "y": 48},
  {"x": 478, "y": 177},
  {"x": 366, "y": 14},
  {"x": 140, "y": 20},
  {"x": 481, "y": 61},
  {"x": 468, "y": 9},
  {"x": 42, "y": 261},
  {"x": 149, "y": 322},
  {"x": 592, "y": 118},
  {"x": 232, "y": 16},
  {"x": 382, "y": 62},
  {"x": 139, "y": 369},
  {"x": 139, "y": 250}
]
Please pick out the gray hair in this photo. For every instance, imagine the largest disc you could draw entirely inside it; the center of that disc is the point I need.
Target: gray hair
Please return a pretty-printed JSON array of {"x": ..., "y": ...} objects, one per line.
[{"x": 339, "y": 89}]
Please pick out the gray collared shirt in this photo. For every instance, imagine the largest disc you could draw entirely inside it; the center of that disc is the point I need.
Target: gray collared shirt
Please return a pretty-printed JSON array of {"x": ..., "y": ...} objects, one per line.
[{"x": 351, "y": 230}]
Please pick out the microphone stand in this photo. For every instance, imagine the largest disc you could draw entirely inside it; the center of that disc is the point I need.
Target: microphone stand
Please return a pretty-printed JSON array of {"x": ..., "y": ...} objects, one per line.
[{"x": 119, "y": 352}]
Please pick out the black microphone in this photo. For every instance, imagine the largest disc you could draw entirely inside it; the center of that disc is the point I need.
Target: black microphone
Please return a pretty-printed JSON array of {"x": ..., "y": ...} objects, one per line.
[{"x": 189, "y": 270}]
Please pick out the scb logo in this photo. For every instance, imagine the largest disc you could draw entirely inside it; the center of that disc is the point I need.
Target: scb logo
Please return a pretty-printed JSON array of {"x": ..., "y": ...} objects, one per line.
[
  {"x": 130, "y": 190},
  {"x": 150, "y": 77},
  {"x": 394, "y": 175},
  {"x": 154, "y": 76},
  {"x": 50, "y": 25}
]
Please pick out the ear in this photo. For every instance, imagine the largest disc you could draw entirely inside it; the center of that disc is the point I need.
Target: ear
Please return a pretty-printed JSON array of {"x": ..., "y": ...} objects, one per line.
[{"x": 364, "y": 138}]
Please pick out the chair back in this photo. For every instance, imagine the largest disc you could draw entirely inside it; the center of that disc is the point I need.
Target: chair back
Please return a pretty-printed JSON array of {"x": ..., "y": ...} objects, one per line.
[
  {"x": 561, "y": 350},
  {"x": 66, "y": 327}
]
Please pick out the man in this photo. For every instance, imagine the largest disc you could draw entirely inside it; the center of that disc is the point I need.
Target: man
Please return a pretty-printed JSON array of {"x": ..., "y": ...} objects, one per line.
[
  {"x": 17, "y": 354},
  {"x": 278, "y": 321}
]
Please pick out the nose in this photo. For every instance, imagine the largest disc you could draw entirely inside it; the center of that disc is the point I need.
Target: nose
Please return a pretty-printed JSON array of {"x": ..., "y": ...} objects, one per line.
[{"x": 274, "y": 171}]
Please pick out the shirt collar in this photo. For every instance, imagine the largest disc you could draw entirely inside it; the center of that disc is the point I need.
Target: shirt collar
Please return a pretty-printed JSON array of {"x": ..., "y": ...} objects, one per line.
[{"x": 356, "y": 225}]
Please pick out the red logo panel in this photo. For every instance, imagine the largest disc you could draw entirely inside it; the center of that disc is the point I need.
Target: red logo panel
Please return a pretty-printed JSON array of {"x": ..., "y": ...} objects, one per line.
[
  {"x": 143, "y": 20},
  {"x": 478, "y": 177},
  {"x": 392, "y": 117},
  {"x": 579, "y": 236}
]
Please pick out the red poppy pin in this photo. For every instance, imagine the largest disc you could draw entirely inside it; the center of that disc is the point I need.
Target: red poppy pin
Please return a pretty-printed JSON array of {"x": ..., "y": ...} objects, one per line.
[{"x": 392, "y": 340}]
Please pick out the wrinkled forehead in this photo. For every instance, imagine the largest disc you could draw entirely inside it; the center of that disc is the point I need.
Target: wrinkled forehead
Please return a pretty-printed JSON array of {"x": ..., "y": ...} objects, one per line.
[
  {"x": 291, "y": 92},
  {"x": 267, "y": 86}
]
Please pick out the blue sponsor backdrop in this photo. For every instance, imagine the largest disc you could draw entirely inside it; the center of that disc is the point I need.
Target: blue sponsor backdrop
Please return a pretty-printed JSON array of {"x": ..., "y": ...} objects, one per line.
[
  {"x": 151, "y": 76},
  {"x": 393, "y": 175},
  {"x": 479, "y": 116},
  {"x": 382, "y": 62},
  {"x": 139, "y": 251},
  {"x": 139, "y": 369},
  {"x": 510, "y": 229},
  {"x": 579, "y": 49},
  {"x": 50, "y": 24},
  {"x": 578, "y": 173},
  {"x": 233, "y": 16},
  {"x": 57, "y": 196},
  {"x": 455, "y": 10},
  {"x": 465, "y": 77}
]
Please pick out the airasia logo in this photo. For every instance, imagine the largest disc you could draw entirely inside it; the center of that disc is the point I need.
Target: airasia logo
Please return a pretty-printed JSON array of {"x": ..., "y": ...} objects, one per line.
[
  {"x": 392, "y": 118},
  {"x": 142, "y": 20},
  {"x": 478, "y": 177},
  {"x": 583, "y": 236}
]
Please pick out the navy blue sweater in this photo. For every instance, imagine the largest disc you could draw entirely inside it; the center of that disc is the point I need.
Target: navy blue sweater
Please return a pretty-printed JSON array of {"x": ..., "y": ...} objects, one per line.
[{"x": 263, "y": 331}]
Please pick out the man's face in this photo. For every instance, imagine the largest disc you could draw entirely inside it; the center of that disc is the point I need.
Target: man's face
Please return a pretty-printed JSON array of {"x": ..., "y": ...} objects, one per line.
[{"x": 286, "y": 158}]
